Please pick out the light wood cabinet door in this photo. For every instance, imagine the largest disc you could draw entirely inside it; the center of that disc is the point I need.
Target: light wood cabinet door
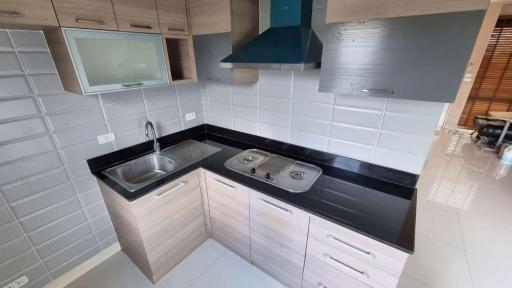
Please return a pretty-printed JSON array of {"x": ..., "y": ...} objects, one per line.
[
  {"x": 229, "y": 214},
  {"x": 209, "y": 16},
  {"x": 92, "y": 14},
  {"x": 172, "y": 15},
  {"x": 278, "y": 238},
  {"x": 27, "y": 12},
  {"x": 354, "y": 10},
  {"x": 136, "y": 15}
]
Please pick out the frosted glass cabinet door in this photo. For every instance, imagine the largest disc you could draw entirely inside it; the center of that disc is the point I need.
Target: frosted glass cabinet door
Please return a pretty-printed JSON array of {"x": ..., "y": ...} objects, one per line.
[{"x": 109, "y": 61}]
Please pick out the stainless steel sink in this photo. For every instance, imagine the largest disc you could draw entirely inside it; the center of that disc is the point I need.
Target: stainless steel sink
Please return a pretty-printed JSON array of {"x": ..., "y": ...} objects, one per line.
[{"x": 141, "y": 171}]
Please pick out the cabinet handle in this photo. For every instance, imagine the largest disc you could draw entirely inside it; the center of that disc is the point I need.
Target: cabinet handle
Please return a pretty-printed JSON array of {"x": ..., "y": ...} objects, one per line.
[
  {"x": 90, "y": 21},
  {"x": 351, "y": 247},
  {"x": 128, "y": 85},
  {"x": 174, "y": 29},
  {"x": 347, "y": 268},
  {"x": 377, "y": 90},
  {"x": 141, "y": 26},
  {"x": 226, "y": 184},
  {"x": 275, "y": 206},
  {"x": 10, "y": 13},
  {"x": 165, "y": 193}
]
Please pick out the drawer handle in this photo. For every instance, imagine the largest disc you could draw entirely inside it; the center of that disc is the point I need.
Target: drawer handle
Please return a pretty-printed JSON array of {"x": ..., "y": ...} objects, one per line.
[
  {"x": 128, "y": 85},
  {"x": 90, "y": 21},
  {"x": 141, "y": 26},
  {"x": 226, "y": 184},
  {"x": 10, "y": 13},
  {"x": 174, "y": 29},
  {"x": 165, "y": 193},
  {"x": 377, "y": 90},
  {"x": 352, "y": 247},
  {"x": 347, "y": 268},
  {"x": 275, "y": 206}
]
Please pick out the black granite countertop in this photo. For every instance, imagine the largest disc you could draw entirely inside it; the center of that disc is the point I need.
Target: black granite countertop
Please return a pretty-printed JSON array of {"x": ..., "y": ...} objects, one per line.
[{"x": 376, "y": 201}]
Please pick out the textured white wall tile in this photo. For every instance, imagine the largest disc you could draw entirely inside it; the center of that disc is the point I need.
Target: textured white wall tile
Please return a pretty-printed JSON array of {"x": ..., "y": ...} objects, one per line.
[
  {"x": 312, "y": 126},
  {"x": 309, "y": 140},
  {"x": 349, "y": 149},
  {"x": 354, "y": 134},
  {"x": 245, "y": 126},
  {"x": 356, "y": 117},
  {"x": 312, "y": 110},
  {"x": 278, "y": 105},
  {"x": 275, "y": 132}
]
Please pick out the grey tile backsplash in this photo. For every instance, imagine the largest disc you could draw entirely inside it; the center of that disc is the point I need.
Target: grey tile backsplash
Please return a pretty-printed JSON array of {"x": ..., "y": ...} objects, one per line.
[
  {"x": 55, "y": 217},
  {"x": 52, "y": 215}
]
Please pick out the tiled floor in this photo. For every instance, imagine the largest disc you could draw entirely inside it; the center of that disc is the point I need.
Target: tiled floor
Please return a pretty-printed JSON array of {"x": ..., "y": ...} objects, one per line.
[{"x": 464, "y": 233}]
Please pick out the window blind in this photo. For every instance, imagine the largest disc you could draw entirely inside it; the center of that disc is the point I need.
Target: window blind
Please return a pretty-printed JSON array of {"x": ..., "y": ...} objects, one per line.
[{"x": 492, "y": 89}]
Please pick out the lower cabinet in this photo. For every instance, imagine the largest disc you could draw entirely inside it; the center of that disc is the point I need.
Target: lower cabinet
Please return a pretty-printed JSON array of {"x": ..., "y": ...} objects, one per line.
[
  {"x": 229, "y": 214},
  {"x": 163, "y": 227},
  {"x": 278, "y": 238}
]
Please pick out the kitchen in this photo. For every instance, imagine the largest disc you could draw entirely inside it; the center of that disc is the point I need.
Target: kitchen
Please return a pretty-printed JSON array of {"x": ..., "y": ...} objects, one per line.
[{"x": 73, "y": 111}]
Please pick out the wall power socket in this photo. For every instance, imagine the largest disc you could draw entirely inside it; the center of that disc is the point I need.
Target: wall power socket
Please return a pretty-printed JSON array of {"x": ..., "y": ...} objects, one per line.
[
  {"x": 20, "y": 282},
  {"x": 190, "y": 116}
]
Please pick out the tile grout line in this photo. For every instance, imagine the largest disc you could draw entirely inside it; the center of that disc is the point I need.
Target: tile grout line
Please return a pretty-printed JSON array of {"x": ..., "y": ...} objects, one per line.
[
  {"x": 466, "y": 255},
  {"x": 179, "y": 104},
  {"x": 374, "y": 150}
]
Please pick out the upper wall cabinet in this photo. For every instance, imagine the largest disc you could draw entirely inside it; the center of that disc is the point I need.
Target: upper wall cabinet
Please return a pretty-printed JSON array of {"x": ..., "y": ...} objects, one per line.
[
  {"x": 136, "y": 15},
  {"x": 93, "y": 14},
  {"x": 352, "y": 10},
  {"x": 92, "y": 61},
  {"x": 211, "y": 16},
  {"x": 27, "y": 12},
  {"x": 172, "y": 15}
]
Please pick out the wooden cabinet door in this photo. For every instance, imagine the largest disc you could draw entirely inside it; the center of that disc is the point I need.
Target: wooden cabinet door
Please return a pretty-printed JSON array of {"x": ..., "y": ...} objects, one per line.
[
  {"x": 354, "y": 10},
  {"x": 93, "y": 14},
  {"x": 27, "y": 12},
  {"x": 229, "y": 214},
  {"x": 136, "y": 15},
  {"x": 171, "y": 223},
  {"x": 172, "y": 15},
  {"x": 209, "y": 16},
  {"x": 278, "y": 238}
]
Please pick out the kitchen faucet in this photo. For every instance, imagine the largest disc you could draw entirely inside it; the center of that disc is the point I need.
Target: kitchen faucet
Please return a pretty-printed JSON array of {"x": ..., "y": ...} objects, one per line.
[{"x": 147, "y": 127}]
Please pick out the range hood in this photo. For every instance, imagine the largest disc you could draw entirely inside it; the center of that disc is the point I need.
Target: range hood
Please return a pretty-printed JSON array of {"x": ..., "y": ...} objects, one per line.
[{"x": 289, "y": 43}]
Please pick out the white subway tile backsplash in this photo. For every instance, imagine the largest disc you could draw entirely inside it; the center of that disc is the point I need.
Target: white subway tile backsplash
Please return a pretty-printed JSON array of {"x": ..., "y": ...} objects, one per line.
[
  {"x": 14, "y": 86},
  {"x": 264, "y": 23},
  {"x": 57, "y": 228},
  {"x": 245, "y": 100},
  {"x": 399, "y": 160},
  {"x": 27, "y": 206},
  {"x": 18, "y": 264},
  {"x": 28, "y": 40},
  {"x": 50, "y": 214},
  {"x": 5, "y": 218},
  {"x": 275, "y": 119},
  {"x": 164, "y": 115},
  {"x": 362, "y": 102},
  {"x": 245, "y": 126},
  {"x": 189, "y": 93},
  {"x": 278, "y": 105},
  {"x": 67, "y": 102},
  {"x": 311, "y": 94},
  {"x": 264, "y": 6},
  {"x": 276, "y": 90},
  {"x": 405, "y": 143},
  {"x": 13, "y": 249},
  {"x": 156, "y": 103},
  {"x": 167, "y": 91},
  {"x": 245, "y": 114},
  {"x": 220, "y": 109},
  {"x": 250, "y": 88},
  {"x": 349, "y": 149},
  {"x": 64, "y": 240},
  {"x": 26, "y": 148},
  {"x": 307, "y": 78},
  {"x": 22, "y": 128},
  {"x": 166, "y": 128},
  {"x": 10, "y": 63},
  {"x": 5, "y": 41},
  {"x": 354, "y": 134},
  {"x": 129, "y": 138},
  {"x": 78, "y": 169},
  {"x": 34, "y": 185},
  {"x": 78, "y": 135},
  {"x": 276, "y": 76},
  {"x": 275, "y": 132},
  {"x": 129, "y": 123},
  {"x": 9, "y": 232},
  {"x": 402, "y": 106},
  {"x": 70, "y": 252},
  {"x": 121, "y": 96},
  {"x": 423, "y": 126},
  {"x": 75, "y": 118},
  {"x": 46, "y": 83},
  {"x": 311, "y": 126},
  {"x": 124, "y": 109},
  {"x": 357, "y": 117},
  {"x": 84, "y": 151},
  {"x": 312, "y": 110},
  {"x": 222, "y": 121},
  {"x": 29, "y": 167},
  {"x": 37, "y": 62},
  {"x": 309, "y": 140}
]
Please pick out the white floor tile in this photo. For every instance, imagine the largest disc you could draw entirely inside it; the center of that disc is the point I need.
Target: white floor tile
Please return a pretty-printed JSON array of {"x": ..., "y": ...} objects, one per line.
[
  {"x": 195, "y": 264},
  {"x": 231, "y": 271},
  {"x": 491, "y": 269},
  {"x": 409, "y": 282},
  {"x": 438, "y": 264},
  {"x": 439, "y": 224}
]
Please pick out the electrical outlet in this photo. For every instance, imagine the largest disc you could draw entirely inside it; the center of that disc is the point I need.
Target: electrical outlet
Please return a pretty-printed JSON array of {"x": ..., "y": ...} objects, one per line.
[
  {"x": 190, "y": 116},
  {"x": 20, "y": 282},
  {"x": 106, "y": 138}
]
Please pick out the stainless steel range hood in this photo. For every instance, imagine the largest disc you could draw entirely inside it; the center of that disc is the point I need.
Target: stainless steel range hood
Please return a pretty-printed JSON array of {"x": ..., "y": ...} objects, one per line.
[{"x": 289, "y": 43}]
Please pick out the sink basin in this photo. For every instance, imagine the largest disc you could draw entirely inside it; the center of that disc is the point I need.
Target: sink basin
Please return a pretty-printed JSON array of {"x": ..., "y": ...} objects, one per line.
[{"x": 141, "y": 171}]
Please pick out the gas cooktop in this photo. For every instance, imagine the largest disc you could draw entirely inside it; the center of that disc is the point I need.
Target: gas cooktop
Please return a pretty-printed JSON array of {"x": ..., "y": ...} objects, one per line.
[{"x": 293, "y": 176}]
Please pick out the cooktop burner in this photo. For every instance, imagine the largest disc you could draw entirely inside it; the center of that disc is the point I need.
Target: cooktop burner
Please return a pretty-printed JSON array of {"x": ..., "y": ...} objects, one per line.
[{"x": 283, "y": 172}]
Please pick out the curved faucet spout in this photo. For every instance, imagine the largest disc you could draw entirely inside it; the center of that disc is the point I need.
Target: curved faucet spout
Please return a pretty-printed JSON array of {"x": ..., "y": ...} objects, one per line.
[{"x": 149, "y": 127}]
